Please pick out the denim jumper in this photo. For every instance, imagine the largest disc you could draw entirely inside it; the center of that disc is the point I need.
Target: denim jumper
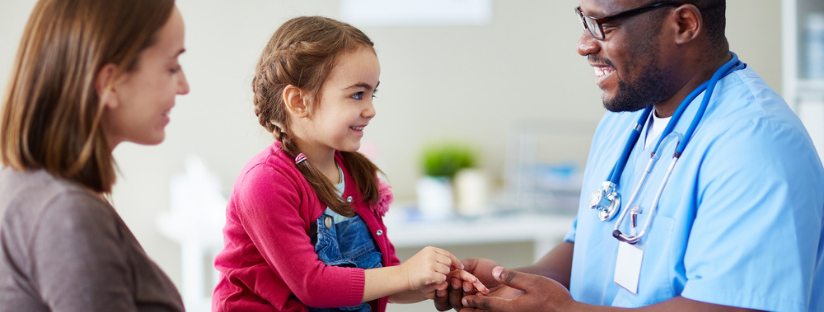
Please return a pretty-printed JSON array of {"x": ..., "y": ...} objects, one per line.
[{"x": 346, "y": 242}]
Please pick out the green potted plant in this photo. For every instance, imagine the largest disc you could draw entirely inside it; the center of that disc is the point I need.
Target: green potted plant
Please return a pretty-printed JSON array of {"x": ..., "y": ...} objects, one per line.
[
  {"x": 445, "y": 160},
  {"x": 440, "y": 163}
]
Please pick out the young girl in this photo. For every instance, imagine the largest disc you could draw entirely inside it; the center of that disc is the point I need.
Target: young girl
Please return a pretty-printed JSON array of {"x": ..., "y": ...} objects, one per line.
[{"x": 304, "y": 229}]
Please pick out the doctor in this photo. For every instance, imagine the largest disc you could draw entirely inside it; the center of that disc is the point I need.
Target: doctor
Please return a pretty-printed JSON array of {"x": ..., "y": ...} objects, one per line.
[{"x": 730, "y": 222}]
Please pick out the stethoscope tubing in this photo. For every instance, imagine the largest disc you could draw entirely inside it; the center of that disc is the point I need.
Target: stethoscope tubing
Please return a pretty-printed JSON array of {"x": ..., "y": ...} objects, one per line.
[
  {"x": 632, "y": 239},
  {"x": 647, "y": 170},
  {"x": 707, "y": 87},
  {"x": 615, "y": 175},
  {"x": 729, "y": 67}
]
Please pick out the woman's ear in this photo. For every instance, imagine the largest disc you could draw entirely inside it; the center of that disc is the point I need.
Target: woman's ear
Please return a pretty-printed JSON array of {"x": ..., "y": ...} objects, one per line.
[
  {"x": 104, "y": 85},
  {"x": 295, "y": 101}
]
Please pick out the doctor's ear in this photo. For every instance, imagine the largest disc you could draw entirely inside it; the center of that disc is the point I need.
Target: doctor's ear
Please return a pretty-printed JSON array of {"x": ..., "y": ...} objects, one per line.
[
  {"x": 104, "y": 85},
  {"x": 296, "y": 101},
  {"x": 689, "y": 23}
]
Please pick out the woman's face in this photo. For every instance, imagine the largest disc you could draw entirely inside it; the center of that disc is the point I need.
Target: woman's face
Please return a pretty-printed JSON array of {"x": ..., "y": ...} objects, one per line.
[{"x": 140, "y": 101}]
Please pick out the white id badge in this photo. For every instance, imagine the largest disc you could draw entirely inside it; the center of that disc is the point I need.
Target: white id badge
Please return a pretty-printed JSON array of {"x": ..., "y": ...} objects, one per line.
[{"x": 628, "y": 266}]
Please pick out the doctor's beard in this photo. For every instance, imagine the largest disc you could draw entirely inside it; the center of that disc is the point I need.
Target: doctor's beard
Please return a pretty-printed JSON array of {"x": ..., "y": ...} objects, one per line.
[
  {"x": 647, "y": 90},
  {"x": 653, "y": 84}
]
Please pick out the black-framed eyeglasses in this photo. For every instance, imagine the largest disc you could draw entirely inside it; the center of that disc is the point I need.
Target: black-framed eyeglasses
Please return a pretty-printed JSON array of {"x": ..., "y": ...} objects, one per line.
[{"x": 594, "y": 24}]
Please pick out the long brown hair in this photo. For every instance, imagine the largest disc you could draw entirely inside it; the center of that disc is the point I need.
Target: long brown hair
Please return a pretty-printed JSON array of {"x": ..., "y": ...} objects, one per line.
[
  {"x": 52, "y": 113},
  {"x": 302, "y": 53}
]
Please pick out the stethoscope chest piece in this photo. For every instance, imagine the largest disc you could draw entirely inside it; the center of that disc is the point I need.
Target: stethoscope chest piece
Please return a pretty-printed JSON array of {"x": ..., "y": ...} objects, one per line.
[
  {"x": 612, "y": 209},
  {"x": 606, "y": 200}
]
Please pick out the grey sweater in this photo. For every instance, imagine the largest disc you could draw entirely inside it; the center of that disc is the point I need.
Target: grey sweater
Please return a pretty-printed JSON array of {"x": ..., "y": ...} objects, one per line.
[{"x": 63, "y": 249}]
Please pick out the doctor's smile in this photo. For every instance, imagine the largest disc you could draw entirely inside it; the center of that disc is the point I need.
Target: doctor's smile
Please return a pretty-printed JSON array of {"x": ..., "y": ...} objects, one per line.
[{"x": 602, "y": 73}]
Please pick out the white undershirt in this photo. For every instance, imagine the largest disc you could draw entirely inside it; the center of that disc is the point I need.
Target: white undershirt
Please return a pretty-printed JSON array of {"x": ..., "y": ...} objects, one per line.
[
  {"x": 657, "y": 127},
  {"x": 340, "y": 187}
]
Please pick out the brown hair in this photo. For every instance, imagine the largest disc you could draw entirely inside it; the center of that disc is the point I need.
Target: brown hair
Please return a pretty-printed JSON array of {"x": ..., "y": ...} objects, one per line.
[
  {"x": 302, "y": 53},
  {"x": 52, "y": 113}
]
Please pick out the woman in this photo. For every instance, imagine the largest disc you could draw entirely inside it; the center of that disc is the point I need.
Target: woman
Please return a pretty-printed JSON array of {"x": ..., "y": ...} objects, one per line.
[{"x": 89, "y": 74}]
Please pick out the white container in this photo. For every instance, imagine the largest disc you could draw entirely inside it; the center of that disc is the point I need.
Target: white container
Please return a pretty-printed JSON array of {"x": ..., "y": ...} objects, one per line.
[
  {"x": 472, "y": 190},
  {"x": 815, "y": 46},
  {"x": 435, "y": 198}
]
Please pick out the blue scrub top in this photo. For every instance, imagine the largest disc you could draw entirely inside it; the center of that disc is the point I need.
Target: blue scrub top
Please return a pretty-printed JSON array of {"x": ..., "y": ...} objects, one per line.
[{"x": 739, "y": 222}]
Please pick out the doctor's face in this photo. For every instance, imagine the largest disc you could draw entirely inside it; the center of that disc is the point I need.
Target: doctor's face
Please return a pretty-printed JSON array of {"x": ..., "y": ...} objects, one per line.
[{"x": 627, "y": 61}]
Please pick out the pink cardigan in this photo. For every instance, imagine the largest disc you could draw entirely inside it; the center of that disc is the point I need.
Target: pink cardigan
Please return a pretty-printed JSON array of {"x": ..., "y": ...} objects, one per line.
[{"x": 268, "y": 262}]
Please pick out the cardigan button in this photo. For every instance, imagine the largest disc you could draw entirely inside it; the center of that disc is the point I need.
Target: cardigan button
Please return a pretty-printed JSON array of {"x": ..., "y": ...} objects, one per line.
[
  {"x": 379, "y": 232},
  {"x": 349, "y": 199},
  {"x": 328, "y": 222}
]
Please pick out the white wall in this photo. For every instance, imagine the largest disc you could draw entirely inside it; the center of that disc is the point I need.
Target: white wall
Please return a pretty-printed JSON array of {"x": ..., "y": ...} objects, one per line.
[{"x": 470, "y": 83}]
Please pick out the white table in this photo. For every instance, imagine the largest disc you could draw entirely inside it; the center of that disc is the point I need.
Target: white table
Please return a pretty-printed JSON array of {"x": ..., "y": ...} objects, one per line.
[{"x": 544, "y": 230}]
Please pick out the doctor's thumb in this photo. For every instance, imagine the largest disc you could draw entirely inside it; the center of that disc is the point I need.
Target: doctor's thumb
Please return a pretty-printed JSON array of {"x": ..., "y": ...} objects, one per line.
[{"x": 512, "y": 278}]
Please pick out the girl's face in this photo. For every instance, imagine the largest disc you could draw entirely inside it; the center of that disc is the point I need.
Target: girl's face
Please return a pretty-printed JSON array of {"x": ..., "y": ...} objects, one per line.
[
  {"x": 143, "y": 98},
  {"x": 345, "y": 107}
]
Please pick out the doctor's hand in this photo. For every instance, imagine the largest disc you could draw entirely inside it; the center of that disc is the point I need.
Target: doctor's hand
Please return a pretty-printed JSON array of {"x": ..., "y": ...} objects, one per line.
[
  {"x": 539, "y": 294},
  {"x": 460, "y": 287}
]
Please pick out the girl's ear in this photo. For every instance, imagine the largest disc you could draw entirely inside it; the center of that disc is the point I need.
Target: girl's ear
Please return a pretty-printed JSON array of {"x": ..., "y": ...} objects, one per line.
[
  {"x": 105, "y": 86},
  {"x": 295, "y": 101}
]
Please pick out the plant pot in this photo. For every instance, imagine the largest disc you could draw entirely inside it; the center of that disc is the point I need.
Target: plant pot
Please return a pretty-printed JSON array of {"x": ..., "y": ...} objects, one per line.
[{"x": 435, "y": 197}]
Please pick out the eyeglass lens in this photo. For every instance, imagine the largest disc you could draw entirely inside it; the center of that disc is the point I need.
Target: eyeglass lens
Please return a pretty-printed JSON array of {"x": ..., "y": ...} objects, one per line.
[
  {"x": 594, "y": 28},
  {"x": 590, "y": 24}
]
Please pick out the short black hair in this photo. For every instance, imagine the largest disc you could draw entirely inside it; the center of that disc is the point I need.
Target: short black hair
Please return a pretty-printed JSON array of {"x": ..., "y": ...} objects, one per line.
[{"x": 713, "y": 13}]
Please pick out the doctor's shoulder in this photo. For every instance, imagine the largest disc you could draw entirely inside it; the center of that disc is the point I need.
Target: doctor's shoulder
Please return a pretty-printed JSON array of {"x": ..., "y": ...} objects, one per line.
[
  {"x": 749, "y": 112},
  {"x": 758, "y": 145}
]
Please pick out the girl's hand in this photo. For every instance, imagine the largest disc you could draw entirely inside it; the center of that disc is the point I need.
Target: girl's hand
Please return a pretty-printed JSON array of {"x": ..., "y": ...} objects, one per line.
[
  {"x": 429, "y": 291},
  {"x": 429, "y": 266}
]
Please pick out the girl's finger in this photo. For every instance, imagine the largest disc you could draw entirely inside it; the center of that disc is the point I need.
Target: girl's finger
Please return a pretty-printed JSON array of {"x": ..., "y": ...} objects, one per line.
[
  {"x": 442, "y": 269},
  {"x": 453, "y": 261}
]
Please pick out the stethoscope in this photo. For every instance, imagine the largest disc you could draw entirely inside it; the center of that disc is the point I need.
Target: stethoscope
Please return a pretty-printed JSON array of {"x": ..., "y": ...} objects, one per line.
[{"x": 607, "y": 200}]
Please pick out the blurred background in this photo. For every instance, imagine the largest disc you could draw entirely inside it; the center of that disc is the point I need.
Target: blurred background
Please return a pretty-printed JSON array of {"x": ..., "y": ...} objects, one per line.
[{"x": 504, "y": 81}]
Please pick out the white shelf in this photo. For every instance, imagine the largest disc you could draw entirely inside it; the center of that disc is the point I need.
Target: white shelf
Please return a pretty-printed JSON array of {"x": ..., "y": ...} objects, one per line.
[
  {"x": 794, "y": 20},
  {"x": 805, "y": 96},
  {"x": 817, "y": 85}
]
